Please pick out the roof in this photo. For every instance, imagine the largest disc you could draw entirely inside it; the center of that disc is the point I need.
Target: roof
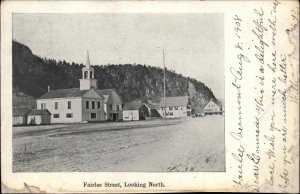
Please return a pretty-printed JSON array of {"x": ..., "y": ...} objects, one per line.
[
  {"x": 64, "y": 93},
  {"x": 39, "y": 112},
  {"x": 23, "y": 100},
  {"x": 174, "y": 101},
  {"x": 105, "y": 98},
  {"x": 105, "y": 93},
  {"x": 132, "y": 106},
  {"x": 152, "y": 105},
  {"x": 214, "y": 101},
  {"x": 21, "y": 111},
  {"x": 61, "y": 93}
]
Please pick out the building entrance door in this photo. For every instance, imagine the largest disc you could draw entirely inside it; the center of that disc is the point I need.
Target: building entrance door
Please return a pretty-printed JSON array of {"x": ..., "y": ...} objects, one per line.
[{"x": 114, "y": 116}]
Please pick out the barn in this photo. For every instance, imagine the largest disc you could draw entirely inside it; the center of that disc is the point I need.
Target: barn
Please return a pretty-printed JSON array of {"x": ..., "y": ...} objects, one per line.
[
  {"x": 135, "y": 111},
  {"x": 20, "y": 115},
  {"x": 39, "y": 117}
]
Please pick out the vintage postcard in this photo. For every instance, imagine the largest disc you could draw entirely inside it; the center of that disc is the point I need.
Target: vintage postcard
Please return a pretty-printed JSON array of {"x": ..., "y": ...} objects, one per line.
[{"x": 149, "y": 96}]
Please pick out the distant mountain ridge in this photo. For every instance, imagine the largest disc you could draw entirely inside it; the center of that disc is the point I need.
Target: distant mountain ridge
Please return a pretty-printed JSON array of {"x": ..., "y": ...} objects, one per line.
[{"x": 33, "y": 74}]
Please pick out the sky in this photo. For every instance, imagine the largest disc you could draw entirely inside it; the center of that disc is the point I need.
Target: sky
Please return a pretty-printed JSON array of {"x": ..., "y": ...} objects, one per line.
[{"x": 193, "y": 42}]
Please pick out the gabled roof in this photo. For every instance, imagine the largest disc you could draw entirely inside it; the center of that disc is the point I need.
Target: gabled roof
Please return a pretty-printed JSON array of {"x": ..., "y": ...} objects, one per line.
[
  {"x": 61, "y": 93},
  {"x": 65, "y": 93},
  {"x": 132, "y": 106},
  {"x": 39, "y": 112},
  {"x": 105, "y": 98},
  {"x": 174, "y": 101},
  {"x": 21, "y": 111},
  {"x": 80, "y": 93},
  {"x": 214, "y": 101},
  {"x": 106, "y": 91}
]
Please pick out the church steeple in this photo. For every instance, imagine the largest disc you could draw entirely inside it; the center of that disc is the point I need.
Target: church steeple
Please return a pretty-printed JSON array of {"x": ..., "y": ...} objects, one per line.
[
  {"x": 87, "y": 64},
  {"x": 87, "y": 81}
]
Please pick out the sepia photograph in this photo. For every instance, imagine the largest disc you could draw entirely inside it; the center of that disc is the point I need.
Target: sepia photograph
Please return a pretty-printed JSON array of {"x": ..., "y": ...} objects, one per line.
[
  {"x": 118, "y": 92},
  {"x": 149, "y": 96}
]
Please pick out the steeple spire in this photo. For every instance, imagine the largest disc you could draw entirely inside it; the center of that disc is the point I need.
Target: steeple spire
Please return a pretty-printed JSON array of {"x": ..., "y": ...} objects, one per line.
[
  {"x": 88, "y": 80},
  {"x": 87, "y": 64}
]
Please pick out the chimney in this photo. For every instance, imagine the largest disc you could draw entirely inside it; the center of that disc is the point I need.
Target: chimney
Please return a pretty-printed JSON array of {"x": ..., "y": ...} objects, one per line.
[{"x": 48, "y": 88}]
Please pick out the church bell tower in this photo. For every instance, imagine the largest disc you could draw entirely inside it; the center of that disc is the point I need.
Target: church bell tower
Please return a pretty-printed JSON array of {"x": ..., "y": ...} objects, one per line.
[{"x": 87, "y": 81}]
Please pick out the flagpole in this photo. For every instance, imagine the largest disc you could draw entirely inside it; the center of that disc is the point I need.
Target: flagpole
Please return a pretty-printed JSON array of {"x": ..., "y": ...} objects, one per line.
[{"x": 164, "y": 83}]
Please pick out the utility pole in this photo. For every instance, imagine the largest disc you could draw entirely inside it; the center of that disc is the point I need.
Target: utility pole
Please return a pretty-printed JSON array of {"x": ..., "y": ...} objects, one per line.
[{"x": 164, "y": 83}]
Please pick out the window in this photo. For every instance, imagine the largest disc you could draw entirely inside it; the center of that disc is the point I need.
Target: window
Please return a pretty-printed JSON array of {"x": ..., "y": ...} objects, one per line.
[
  {"x": 69, "y": 104},
  {"x": 55, "y": 115},
  {"x": 87, "y": 104},
  {"x": 91, "y": 74},
  {"x": 93, "y": 105},
  {"x": 69, "y": 115},
  {"x": 98, "y": 105},
  {"x": 56, "y": 105},
  {"x": 176, "y": 107},
  {"x": 181, "y": 108},
  {"x": 110, "y": 107},
  {"x": 85, "y": 74},
  {"x": 170, "y": 108},
  {"x": 188, "y": 107},
  {"x": 43, "y": 105},
  {"x": 93, "y": 115},
  {"x": 118, "y": 108}
]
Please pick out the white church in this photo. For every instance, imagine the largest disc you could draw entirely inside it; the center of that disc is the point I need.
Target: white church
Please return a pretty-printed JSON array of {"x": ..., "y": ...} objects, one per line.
[{"x": 86, "y": 103}]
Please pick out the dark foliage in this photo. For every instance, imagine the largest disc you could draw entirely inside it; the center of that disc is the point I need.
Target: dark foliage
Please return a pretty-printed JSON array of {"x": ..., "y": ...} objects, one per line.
[{"x": 32, "y": 74}]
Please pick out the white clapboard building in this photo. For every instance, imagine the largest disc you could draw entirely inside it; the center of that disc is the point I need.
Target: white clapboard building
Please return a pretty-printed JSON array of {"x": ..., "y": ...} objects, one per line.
[
  {"x": 212, "y": 107},
  {"x": 135, "y": 111},
  {"x": 112, "y": 105},
  {"x": 175, "y": 107},
  {"x": 80, "y": 104}
]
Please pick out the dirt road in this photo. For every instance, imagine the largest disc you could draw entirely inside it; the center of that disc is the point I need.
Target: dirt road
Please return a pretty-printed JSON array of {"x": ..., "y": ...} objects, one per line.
[{"x": 192, "y": 144}]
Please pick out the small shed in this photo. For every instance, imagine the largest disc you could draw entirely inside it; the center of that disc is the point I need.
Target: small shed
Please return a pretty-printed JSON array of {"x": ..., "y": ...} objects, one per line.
[
  {"x": 20, "y": 115},
  {"x": 39, "y": 117},
  {"x": 135, "y": 111}
]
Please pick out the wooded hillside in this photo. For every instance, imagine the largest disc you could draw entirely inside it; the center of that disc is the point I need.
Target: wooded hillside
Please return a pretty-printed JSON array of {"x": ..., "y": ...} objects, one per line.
[{"x": 32, "y": 74}]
